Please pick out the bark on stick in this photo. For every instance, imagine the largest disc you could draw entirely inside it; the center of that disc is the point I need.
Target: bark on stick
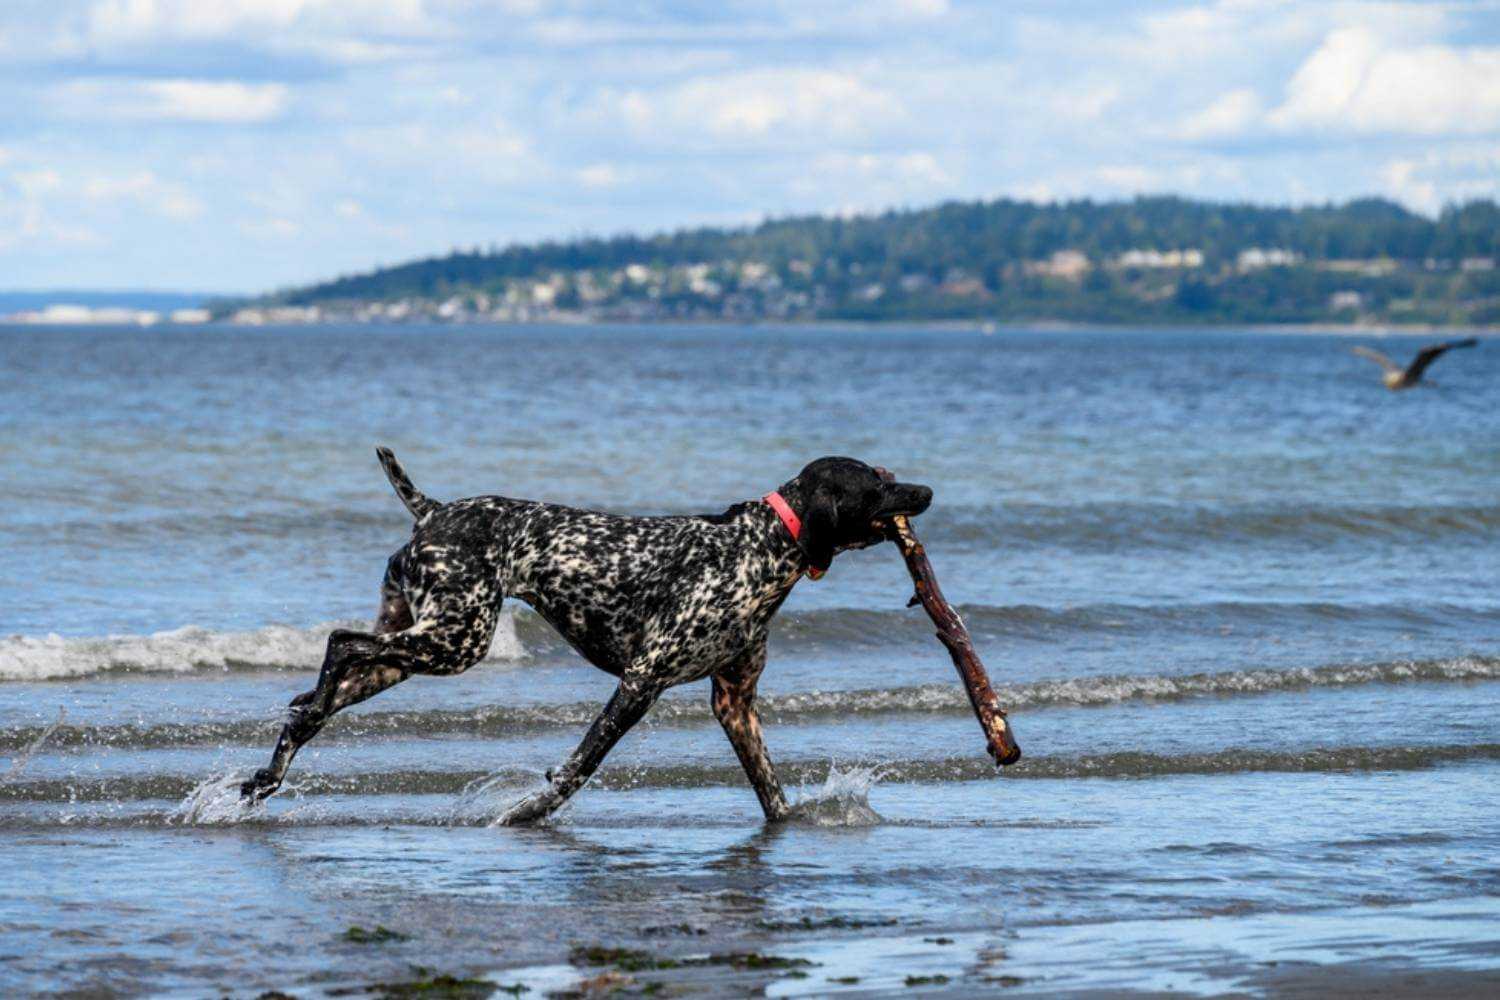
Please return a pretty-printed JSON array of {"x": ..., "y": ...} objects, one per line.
[{"x": 952, "y": 632}]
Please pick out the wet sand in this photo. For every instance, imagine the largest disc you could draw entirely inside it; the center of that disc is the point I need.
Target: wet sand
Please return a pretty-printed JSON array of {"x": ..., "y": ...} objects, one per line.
[{"x": 847, "y": 962}]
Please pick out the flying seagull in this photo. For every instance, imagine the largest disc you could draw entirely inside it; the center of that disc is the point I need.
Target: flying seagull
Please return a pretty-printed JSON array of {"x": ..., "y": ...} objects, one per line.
[{"x": 1395, "y": 377}]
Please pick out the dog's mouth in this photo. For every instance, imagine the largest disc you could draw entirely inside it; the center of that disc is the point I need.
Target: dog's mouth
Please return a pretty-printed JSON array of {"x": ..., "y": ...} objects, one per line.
[
  {"x": 901, "y": 500},
  {"x": 909, "y": 499}
]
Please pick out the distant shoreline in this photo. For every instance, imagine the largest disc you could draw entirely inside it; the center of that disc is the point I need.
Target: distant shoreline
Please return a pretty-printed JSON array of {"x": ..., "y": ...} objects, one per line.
[{"x": 936, "y": 325}]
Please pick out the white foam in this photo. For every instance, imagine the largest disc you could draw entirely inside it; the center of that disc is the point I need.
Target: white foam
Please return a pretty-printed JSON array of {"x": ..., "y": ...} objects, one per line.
[
  {"x": 484, "y": 800},
  {"x": 214, "y": 801},
  {"x": 843, "y": 799},
  {"x": 190, "y": 648}
]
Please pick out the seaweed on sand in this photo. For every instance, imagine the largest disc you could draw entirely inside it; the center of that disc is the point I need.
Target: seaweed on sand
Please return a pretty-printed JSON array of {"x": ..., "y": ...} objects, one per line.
[
  {"x": 426, "y": 984},
  {"x": 380, "y": 934}
]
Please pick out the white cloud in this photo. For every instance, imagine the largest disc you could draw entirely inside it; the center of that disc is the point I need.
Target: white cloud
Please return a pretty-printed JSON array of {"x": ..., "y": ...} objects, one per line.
[
  {"x": 754, "y": 104},
  {"x": 866, "y": 182},
  {"x": 1129, "y": 178},
  {"x": 33, "y": 184},
  {"x": 406, "y": 126},
  {"x": 599, "y": 175},
  {"x": 1085, "y": 103},
  {"x": 1234, "y": 113},
  {"x": 866, "y": 12},
  {"x": 156, "y": 20},
  {"x": 1228, "y": 33},
  {"x": 144, "y": 188},
  {"x": 28, "y": 220},
  {"x": 1358, "y": 81},
  {"x": 495, "y": 143},
  {"x": 1403, "y": 183},
  {"x": 1438, "y": 177},
  {"x": 921, "y": 8},
  {"x": 175, "y": 32},
  {"x": 270, "y": 228},
  {"x": 224, "y": 102},
  {"x": 1361, "y": 82},
  {"x": 919, "y": 168},
  {"x": 27, "y": 226},
  {"x": 758, "y": 105},
  {"x": 457, "y": 155},
  {"x": 213, "y": 100}
]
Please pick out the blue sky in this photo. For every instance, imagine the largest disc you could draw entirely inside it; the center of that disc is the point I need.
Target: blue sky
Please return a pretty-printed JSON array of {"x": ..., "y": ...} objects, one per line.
[{"x": 238, "y": 145}]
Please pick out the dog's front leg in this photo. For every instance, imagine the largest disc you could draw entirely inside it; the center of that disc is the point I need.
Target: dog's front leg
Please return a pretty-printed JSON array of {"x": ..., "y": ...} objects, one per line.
[
  {"x": 631, "y": 701},
  {"x": 734, "y": 707},
  {"x": 355, "y": 667}
]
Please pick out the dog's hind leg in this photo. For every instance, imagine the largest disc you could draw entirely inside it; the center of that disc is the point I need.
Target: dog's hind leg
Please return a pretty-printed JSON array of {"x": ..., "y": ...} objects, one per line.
[
  {"x": 632, "y": 700},
  {"x": 360, "y": 665},
  {"x": 394, "y": 614},
  {"x": 734, "y": 707}
]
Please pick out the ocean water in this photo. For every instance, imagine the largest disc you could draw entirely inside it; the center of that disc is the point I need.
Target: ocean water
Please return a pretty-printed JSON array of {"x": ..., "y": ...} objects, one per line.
[{"x": 1241, "y": 600}]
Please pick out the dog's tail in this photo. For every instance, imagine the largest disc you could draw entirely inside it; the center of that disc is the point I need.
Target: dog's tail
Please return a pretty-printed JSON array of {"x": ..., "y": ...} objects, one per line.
[{"x": 419, "y": 503}]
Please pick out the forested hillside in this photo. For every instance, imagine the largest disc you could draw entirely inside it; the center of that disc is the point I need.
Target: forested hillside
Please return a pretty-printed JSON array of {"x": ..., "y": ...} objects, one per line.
[{"x": 1152, "y": 259}]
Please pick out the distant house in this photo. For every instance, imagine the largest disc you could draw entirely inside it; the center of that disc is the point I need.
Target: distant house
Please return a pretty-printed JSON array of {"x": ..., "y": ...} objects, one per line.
[
  {"x": 1256, "y": 258},
  {"x": 1186, "y": 258},
  {"x": 1346, "y": 300},
  {"x": 1376, "y": 267},
  {"x": 1071, "y": 265},
  {"x": 964, "y": 288},
  {"x": 287, "y": 315}
]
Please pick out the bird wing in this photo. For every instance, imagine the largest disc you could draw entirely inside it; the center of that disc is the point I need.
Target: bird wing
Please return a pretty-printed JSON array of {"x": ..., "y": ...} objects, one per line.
[
  {"x": 1377, "y": 357},
  {"x": 1428, "y": 355}
]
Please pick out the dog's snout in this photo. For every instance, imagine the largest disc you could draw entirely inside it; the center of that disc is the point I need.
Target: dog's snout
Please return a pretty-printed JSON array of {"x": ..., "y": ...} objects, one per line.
[{"x": 908, "y": 498}]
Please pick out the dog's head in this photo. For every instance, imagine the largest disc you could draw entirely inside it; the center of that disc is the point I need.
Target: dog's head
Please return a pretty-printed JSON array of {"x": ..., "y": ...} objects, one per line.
[{"x": 842, "y": 503}]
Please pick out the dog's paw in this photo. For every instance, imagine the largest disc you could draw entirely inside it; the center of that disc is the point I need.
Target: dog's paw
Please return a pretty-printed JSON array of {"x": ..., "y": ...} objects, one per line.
[
  {"x": 529, "y": 810},
  {"x": 260, "y": 785}
]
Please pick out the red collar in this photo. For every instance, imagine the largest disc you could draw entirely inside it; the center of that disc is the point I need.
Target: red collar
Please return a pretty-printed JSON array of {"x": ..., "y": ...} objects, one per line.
[{"x": 791, "y": 522}]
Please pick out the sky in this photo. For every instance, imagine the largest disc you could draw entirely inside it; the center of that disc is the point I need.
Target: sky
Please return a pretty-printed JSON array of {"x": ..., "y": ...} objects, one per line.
[{"x": 243, "y": 145}]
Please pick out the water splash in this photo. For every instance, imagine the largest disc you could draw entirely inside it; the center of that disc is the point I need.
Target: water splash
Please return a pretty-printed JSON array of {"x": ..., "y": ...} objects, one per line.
[
  {"x": 482, "y": 799},
  {"x": 215, "y": 801},
  {"x": 485, "y": 799},
  {"x": 30, "y": 749},
  {"x": 843, "y": 799}
]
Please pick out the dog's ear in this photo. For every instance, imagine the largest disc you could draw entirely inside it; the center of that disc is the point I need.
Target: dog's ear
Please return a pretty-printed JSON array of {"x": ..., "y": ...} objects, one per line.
[{"x": 819, "y": 526}]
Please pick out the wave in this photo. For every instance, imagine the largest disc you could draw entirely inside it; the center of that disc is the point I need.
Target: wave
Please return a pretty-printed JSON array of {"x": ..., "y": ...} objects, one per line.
[
  {"x": 1112, "y": 526},
  {"x": 522, "y": 634},
  {"x": 1121, "y": 764},
  {"x": 494, "y": 721},
  {"x": 193, "y": 648},
  {"x": 865, "y": 627},
  {"x": 1077, "y": 527}
]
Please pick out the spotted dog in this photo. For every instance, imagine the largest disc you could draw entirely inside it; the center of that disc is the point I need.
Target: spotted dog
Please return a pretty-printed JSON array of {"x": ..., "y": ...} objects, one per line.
[{"x": 655, "y": 601}]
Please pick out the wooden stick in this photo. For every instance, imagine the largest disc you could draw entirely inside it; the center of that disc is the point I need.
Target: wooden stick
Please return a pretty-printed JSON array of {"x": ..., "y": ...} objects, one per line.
[{"x": 955, "y": 635}]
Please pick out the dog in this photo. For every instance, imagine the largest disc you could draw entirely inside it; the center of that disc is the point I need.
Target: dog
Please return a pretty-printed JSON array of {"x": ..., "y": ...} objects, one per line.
[{"x": 655, "y": 601}]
